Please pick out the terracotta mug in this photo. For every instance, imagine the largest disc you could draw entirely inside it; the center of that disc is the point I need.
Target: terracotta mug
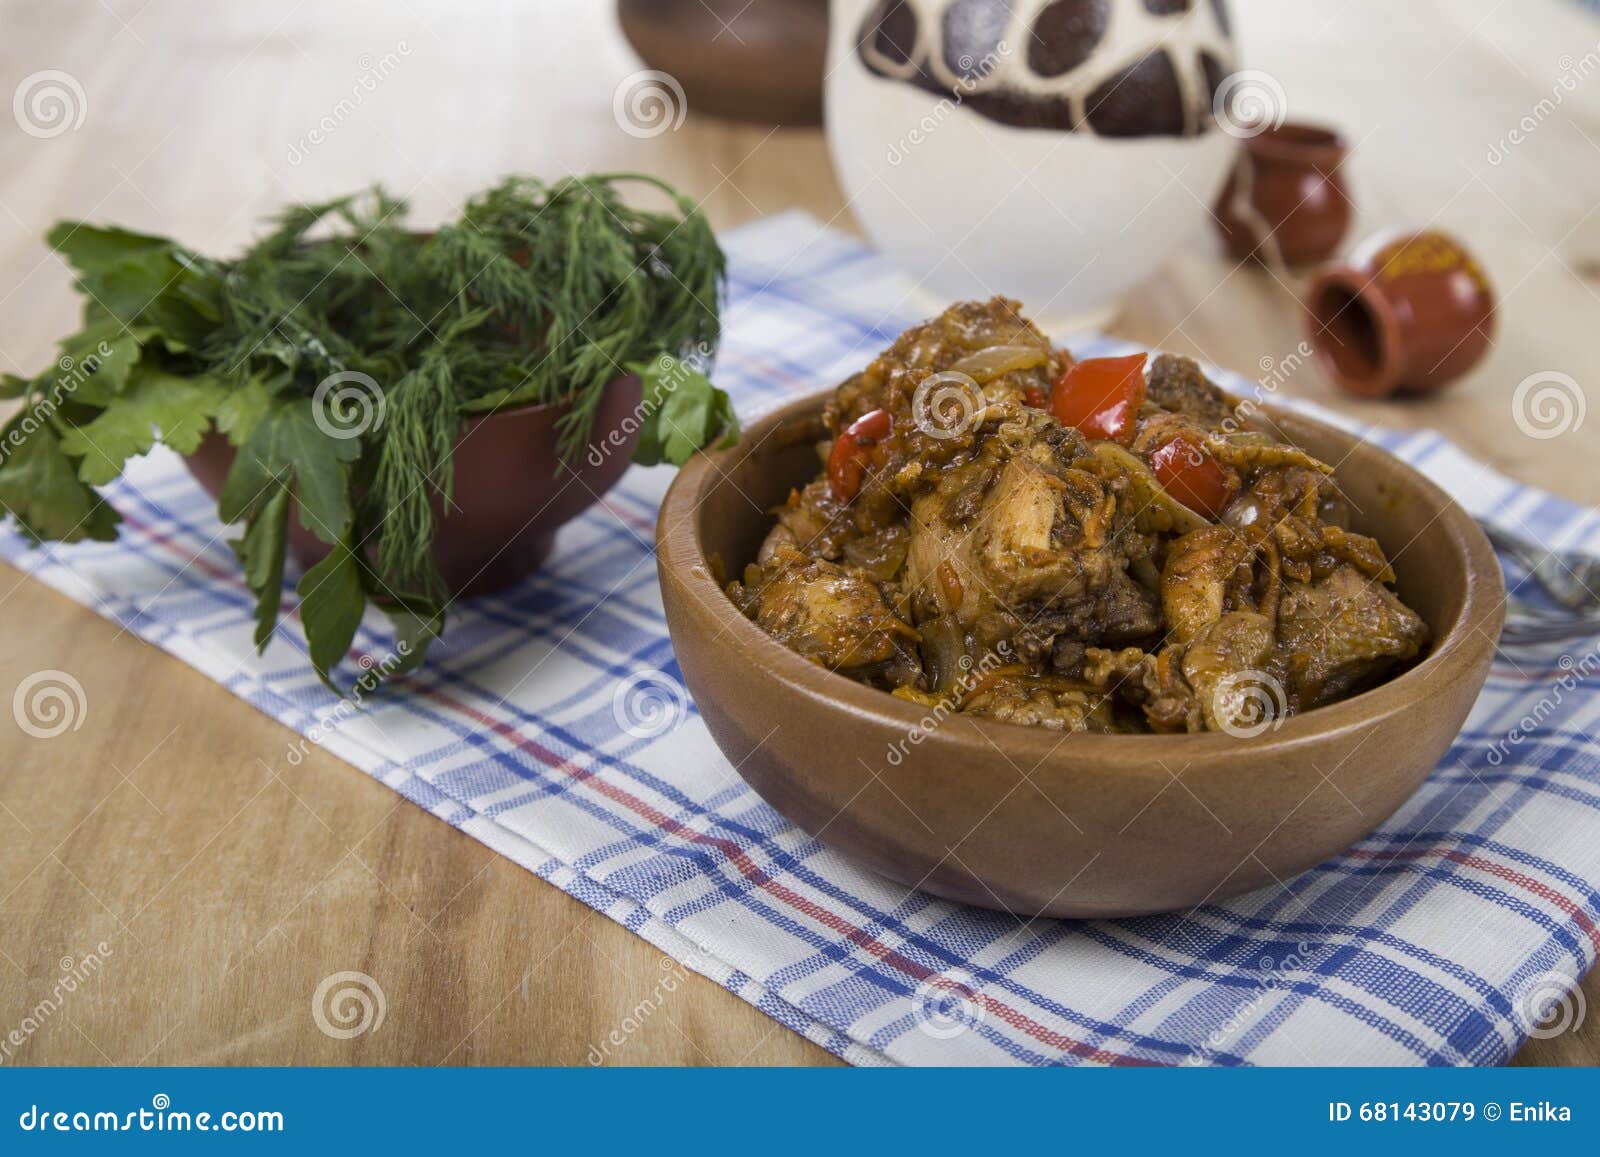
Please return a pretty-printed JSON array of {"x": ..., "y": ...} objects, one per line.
[
  {"x": 1286, "y": 202},
  {"x": 1407, "y": 313}
]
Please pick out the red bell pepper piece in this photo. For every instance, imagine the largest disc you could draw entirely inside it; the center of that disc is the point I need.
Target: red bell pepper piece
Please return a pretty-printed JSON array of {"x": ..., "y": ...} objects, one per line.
[
  {"x": 1100, "y": 397},
  {"x": 852, "y": 452},
  {"x": 1192, "y": 476}
]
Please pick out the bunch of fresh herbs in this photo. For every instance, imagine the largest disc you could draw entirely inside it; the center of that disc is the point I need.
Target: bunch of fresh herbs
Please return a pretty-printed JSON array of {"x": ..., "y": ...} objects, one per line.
[{"x": 538, "y": 293}]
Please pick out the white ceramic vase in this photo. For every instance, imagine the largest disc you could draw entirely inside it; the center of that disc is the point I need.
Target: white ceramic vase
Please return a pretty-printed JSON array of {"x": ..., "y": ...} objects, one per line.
[{"x": 1065, "y": 221}]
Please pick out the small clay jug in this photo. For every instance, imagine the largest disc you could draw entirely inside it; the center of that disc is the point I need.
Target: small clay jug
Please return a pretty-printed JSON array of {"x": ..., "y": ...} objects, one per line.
[
  {"x": 1286, "y": 202},
  {"x": 1407, "y": 313}
]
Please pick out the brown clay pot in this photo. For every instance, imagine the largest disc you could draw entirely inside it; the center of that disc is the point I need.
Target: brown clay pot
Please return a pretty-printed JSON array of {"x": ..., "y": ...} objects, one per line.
[
  {"x": 1407, "y": 313},
  {"x": 1076, "y": 825},
  {"x": 512, "y": 490},
  {"x": 746, "y": 60},
  {"x": 1286, "y": 200}
]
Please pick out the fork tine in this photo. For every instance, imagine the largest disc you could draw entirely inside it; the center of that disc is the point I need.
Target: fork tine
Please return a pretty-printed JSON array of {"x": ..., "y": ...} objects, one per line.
[
  {"x": 1571, "y": 579},
  {"x": 1521, "y": 632}
]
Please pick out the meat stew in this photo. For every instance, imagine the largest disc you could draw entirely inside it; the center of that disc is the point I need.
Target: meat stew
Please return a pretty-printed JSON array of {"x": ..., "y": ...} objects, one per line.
[{"x": 998, "y": 529}]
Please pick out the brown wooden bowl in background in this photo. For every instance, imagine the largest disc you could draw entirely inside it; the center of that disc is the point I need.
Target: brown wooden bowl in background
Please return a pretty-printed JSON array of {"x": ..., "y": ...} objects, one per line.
[
  {"x": 1037, "y": 822},
  {"x": 745, "y": 60},
  {"x": 511, "y": 492}
]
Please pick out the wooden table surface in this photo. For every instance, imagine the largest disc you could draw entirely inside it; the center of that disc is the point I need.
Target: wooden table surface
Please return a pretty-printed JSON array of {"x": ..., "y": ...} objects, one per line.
[{"x": 216, "y": 884}]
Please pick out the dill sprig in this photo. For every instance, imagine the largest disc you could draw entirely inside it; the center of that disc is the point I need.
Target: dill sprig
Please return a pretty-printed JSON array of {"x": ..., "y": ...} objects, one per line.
[{"x": 538, "y": 293}]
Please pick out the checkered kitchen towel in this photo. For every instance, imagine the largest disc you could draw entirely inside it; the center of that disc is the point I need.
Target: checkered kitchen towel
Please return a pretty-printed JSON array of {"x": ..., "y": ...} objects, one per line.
[{"x": 1423, "y": 945}]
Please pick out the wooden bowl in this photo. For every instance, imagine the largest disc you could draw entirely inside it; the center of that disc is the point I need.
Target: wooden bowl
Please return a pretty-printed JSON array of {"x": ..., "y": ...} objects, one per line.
[
  {"x": 1037, "y": 822},
  {"x": 511, "y": 490},
  {"x": 760, "y": 61}
]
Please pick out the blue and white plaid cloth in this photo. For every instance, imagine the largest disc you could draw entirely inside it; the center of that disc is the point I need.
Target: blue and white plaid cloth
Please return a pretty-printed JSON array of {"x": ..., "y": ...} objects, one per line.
[{"x": 1442, "y": 939}]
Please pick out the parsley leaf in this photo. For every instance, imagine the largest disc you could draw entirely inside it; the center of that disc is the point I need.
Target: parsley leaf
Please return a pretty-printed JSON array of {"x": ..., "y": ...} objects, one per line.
[
  {"x": 417, "y": 623},
  {"x": 261, "y": 551},
  {"x": 155, "y": 405},
  {"x": 682, "y": 411},
  {"x": 331, "y": 602},
  {"x": 40, "y": 487},
  {"x": 287, "y": 446},
  {"x": 238, "y": 413},
  {"x": 130, "y": 277}
]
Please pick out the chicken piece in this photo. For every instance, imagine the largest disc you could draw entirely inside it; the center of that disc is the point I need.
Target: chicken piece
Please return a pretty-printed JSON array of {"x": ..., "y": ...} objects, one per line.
[
  {"x": 836, "y": 616},
  {"x": 1015, "y": 695},
  {"x": 1312, "y": 550},
  {"x": 1121, "y": 612},
  {"x": 1152, "y": 682},
  {"x": 812, "y": 522},
  {"x": 1342, "y": 633},
  {"x": 1010, "y": 548},
  {"x": 1213, "y": 683},
  {"x": 1226, "y": 666},
  {"x": 1041, "y": 533},
  {"x": 1118, "y": 614},
  {"x": 941, "y": 570},
  {"x": 954, "y": 600},
  {"x": 1202, "y": 577}
]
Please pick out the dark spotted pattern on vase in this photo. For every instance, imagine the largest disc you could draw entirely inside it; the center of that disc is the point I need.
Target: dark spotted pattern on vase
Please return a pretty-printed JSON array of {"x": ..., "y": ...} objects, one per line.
[
  {"x": 973, "y": 30},
  {"x": 1111, "y": 68},
  {"x": 1064, "y": 35}
]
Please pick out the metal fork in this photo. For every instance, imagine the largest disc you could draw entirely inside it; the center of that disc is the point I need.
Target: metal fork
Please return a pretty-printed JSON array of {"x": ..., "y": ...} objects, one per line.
[{"x": 1570, "y": 579}]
